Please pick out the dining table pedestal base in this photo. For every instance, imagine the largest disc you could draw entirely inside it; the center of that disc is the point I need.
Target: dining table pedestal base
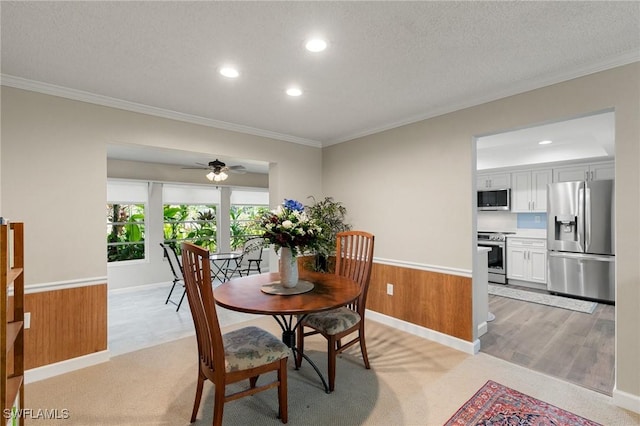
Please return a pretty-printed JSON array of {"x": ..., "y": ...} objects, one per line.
[
  {"x": 326, "y": 292},
  {"x": 289, "y": 339}
]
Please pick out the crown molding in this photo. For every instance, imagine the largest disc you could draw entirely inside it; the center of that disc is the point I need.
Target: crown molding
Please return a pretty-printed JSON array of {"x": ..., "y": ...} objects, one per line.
[
  {"x": 533, "y": 84},
  {"x": 516, "y": 89},
  {"x": 80, "y": 95}
]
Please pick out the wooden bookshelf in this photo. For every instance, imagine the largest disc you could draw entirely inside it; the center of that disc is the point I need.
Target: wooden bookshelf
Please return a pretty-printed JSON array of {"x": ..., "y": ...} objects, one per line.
[{"x": 12, "y": 318}]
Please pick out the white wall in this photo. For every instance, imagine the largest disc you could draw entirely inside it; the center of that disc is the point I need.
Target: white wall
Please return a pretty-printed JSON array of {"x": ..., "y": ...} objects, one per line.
[
  {"x": 54, "y": 171},
  {"x": 427, "y": 170}
]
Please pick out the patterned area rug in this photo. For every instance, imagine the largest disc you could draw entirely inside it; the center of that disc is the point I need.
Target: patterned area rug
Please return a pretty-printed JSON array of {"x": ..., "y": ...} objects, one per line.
[
  {"x": 498, "y": 405},
  {"x": 544, "y": 299}
]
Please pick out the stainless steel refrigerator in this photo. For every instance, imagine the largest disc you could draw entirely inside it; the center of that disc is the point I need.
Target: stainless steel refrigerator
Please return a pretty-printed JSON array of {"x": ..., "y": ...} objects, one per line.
[{"x": 580, "y": 239}]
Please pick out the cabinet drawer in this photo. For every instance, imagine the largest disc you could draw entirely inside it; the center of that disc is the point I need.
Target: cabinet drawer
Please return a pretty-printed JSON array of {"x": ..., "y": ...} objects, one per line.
[{"x": 527, "y": 242}]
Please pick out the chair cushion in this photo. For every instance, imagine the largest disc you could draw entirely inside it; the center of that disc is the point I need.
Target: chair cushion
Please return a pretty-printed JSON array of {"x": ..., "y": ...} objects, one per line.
[
  {"x": 334, "y": 321},
  {"x": 251, "y": 347}
]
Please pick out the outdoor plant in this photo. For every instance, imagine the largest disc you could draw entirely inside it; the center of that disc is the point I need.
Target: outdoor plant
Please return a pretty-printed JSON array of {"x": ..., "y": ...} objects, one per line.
[
  {"x": 243, "y": 224},
  {"x": 126, "y": 233},
  {"x": 330, "y": 215},
  {"x": 187, "y": 222}
]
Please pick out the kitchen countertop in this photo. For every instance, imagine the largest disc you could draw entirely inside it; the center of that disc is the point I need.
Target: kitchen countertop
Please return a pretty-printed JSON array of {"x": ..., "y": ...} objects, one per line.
[
  {"x": 522, "y": 233},
  {"x": 529, "y": 233}
]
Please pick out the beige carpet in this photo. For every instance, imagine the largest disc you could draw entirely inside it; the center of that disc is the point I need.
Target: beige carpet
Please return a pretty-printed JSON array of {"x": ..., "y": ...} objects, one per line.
[{"x": 412, "y": 382}]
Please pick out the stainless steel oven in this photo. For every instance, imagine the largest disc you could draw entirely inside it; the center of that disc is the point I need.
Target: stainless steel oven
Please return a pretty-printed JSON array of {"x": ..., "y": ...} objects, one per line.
[{"x": 497, "y": 243}]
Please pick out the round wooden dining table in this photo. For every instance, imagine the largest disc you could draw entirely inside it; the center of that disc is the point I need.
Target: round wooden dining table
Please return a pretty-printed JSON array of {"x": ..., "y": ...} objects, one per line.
[{"x": 245, "y": 294}]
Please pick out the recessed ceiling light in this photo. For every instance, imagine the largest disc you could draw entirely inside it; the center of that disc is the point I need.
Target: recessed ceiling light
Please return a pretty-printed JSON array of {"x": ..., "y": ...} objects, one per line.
[
  {"x": 546, "y": 142},
  {"x": 294, "y": 91},
  {"x": 229, "y": 72},
  {"x": 316, "y": 45}
]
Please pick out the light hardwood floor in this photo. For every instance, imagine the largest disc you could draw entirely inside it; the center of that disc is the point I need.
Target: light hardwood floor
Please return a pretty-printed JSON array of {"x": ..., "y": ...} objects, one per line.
[{"x": 569, "y": 345}]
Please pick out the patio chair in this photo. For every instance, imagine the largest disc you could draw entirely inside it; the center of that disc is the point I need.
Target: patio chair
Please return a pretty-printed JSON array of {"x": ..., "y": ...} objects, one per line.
[{"x": 176, "y": 270}]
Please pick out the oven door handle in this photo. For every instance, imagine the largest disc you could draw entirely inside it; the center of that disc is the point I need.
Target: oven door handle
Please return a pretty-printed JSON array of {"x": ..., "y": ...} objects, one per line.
[{"x": 491, "y": 243}]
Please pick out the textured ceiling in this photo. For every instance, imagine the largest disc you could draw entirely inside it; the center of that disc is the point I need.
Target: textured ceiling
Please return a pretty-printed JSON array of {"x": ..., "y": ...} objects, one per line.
[{"x": 387, "y": 64}]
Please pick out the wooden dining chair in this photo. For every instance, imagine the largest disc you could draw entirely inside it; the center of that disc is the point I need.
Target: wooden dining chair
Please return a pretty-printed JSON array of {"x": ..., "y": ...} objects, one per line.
[
  {"x": 231, "y": 357},
  {"x": 354, "y": 259}
]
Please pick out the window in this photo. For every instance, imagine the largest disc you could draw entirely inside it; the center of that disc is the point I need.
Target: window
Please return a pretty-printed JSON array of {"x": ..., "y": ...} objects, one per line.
[
  {"x": 246, "y": 207},
  {"x": 193, "y": 223},
  {"x": 126, "y": 211},
  {"x": 125, "y": 232},
  {"x": 243, "y": 224},
  {"x": 190, "y": 214}
]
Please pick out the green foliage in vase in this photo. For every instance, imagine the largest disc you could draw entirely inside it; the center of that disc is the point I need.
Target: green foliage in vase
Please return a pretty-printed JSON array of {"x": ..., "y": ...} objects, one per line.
[{"x": 330, "y": 215}]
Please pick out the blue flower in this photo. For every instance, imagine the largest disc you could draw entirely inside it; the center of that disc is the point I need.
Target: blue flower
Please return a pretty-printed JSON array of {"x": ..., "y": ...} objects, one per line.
[{"x": 293, "y": 205}]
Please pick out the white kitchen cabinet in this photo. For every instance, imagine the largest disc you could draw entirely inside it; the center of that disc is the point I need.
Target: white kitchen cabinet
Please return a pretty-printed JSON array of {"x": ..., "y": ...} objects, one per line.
[
  {"x": 529, "y": 190},
  {"x": 493, "y": 181},
  {"x": 527, "y": 259},
  {"x": 589, "y": 171}
]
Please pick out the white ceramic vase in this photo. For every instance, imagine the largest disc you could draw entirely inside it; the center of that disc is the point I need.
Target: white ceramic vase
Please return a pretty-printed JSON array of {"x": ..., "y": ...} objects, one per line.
[{"x": 288, "y": 268}]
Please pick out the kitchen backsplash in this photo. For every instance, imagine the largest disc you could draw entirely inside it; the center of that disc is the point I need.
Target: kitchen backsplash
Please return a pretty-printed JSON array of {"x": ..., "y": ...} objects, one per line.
[
  {"x": 510, "y": 222},
  {"x": 532, "y": 220}
]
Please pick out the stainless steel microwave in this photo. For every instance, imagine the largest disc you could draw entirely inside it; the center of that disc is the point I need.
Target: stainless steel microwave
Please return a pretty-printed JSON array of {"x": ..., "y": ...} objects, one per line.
[{"x": 494, "y": 199}]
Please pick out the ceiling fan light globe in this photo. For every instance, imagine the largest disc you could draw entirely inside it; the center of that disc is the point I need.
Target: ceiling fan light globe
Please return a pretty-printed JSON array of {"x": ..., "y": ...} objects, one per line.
[
  {"x": 218, "y": 177},
  {"x": 211, "y": 176}
]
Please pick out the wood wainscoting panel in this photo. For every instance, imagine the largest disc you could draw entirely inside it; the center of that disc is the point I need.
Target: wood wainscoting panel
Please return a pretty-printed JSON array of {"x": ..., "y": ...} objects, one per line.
[
  {"x": 437, "y": 301},
  {"x": 65, "y": 324}
]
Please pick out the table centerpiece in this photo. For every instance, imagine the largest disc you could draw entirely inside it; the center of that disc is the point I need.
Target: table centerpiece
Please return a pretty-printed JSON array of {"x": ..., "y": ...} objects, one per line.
[{"x": 291, "y": 231}]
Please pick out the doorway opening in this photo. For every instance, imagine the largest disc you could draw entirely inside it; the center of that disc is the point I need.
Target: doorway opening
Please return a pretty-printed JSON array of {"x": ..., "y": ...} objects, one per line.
[{"x": 574, "y": 346}]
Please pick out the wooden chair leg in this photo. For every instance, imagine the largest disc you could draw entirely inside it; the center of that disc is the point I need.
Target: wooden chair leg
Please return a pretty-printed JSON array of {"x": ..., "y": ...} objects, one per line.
[
  {"x": 218, "y": 405},
  {"x": 332, "y": 355},
  {"x": 363, "y": 348},
  {"x": 252, "y": 381},
  {"x": 283, "y": 408},
  {"x": 196, "y": 403}
]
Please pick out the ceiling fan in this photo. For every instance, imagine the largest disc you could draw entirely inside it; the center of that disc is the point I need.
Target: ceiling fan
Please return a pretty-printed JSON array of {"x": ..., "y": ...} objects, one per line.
[{"x": 218, "y": 171}]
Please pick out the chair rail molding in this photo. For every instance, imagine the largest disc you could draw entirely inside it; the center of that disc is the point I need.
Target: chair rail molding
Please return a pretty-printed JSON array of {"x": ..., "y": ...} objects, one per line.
[
  {"x": 424, "y": 267},
  {"x": 62, "y": 285}
]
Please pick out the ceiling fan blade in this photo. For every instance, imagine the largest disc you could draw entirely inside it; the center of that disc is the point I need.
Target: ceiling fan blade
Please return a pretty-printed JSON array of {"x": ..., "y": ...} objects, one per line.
[
  {"x": 218, "y": 166},
  {"x": 237, "y": 169}
]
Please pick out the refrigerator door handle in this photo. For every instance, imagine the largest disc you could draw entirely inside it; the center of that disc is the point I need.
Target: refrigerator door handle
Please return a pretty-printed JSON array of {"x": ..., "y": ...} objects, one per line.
[
  {"x": 580, "y": 219},
  {"x": 587, "y": 218},
  {"x": 579, "y": 256}
]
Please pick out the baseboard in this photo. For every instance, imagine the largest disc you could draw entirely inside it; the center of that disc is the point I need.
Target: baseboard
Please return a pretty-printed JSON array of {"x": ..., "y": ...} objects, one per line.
[
  {"x": 444, "y": 339},
  {"x": 66, "y": 366},
  {"x": 121, "y": 290},
  {"x": 626, "y": 400},
  {"x": 482, "y": 328}
]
